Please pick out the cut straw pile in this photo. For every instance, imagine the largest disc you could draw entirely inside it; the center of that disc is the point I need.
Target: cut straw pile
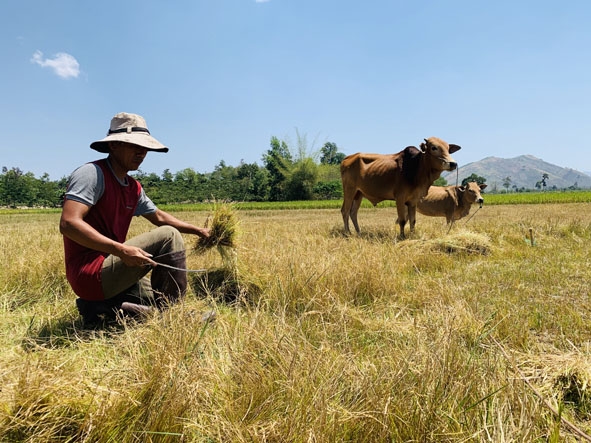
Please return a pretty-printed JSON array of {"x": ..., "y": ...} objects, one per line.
[
  {"x": 466, "y": 242},
  {"x": 461, "y": 242},
  {"x": 226, "y": 283},
  {"x": 223, "y": 230}
]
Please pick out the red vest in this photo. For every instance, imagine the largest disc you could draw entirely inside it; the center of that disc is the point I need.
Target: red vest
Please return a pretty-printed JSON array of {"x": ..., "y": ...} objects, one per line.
[{"x": 111, "y": 216}]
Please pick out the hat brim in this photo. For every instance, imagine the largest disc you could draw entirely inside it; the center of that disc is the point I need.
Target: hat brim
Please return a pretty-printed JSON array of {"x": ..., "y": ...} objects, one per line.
[{"x": 142, "y": 139}]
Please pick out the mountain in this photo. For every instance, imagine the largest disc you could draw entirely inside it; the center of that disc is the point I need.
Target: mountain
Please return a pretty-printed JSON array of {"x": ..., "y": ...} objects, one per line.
[{"x": 525, "y": 171}]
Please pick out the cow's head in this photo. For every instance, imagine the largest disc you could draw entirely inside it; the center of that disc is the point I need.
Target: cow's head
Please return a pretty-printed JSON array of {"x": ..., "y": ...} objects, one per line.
[
  {"x": 471, "y": 192},
  {"x": 440, "y": 152}
]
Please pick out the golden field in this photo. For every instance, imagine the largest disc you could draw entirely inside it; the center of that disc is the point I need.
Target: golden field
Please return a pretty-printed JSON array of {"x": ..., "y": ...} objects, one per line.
[{"x": 465, "y": 334}]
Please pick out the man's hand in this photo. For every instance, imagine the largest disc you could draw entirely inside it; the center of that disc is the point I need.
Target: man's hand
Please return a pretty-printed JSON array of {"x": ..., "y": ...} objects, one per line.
[
  {"x": 161, "y": 218},
  {"x": 134, "y": 256}
]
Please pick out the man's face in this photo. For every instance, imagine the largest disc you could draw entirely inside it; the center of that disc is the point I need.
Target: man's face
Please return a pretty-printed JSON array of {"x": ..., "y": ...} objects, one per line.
[{"x": 128, "y": 156}]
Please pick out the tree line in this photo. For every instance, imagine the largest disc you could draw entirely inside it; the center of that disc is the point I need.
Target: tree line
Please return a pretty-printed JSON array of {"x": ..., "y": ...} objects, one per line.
[
  {"x": 19, "y": 188},
  {"x": 286, "y": 174}
]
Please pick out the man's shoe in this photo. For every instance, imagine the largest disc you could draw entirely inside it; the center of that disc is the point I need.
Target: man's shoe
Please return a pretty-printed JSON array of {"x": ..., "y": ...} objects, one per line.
[
  {"x": 93, "y": 312},
  {"x": 136, "y": 310}
]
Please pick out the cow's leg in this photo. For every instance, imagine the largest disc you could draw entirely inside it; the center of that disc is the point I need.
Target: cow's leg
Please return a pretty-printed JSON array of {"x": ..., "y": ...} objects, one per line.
[
  {"x": 412, "y": 216},
  {"x": 346, "y": 210},
  {"x": 354, "y": 209},
  {"x": 401, "y": 220}
]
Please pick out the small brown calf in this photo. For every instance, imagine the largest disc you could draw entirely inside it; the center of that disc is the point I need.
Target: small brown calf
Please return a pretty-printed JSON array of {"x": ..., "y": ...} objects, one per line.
[{"x": 451, "y": 202}]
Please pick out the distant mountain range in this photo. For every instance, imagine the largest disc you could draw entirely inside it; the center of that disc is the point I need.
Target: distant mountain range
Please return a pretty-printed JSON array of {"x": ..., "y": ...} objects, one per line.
[{"x": 524, "y": 171}]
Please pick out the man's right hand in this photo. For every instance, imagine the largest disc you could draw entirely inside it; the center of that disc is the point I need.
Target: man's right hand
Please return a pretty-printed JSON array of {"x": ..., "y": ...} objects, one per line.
[{"x": 134, "y": 256}]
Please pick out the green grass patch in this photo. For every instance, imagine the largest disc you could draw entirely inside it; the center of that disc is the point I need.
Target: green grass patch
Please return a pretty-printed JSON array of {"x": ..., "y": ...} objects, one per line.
[
  {"x": 580, "y": 196},
  {"x": 521, "y": 198}
]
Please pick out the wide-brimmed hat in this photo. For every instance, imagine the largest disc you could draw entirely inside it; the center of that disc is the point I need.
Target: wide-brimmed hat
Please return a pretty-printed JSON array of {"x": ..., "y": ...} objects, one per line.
[{"x": 129, "y": 128}]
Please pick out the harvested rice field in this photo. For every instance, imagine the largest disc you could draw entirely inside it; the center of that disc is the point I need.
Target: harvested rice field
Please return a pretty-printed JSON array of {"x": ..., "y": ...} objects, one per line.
[{"x": 476, "y": 332}]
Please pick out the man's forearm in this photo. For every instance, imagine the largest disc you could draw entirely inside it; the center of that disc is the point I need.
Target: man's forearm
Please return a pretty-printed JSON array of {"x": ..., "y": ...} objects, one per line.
[{"x": 85, "y": 235}]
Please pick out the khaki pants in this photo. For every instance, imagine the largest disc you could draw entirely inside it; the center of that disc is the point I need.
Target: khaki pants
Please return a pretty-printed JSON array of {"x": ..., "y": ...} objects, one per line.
[{"x": 117, "y": 277}]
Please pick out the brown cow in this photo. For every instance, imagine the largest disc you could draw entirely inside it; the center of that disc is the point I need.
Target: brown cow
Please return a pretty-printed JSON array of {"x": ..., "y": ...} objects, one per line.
[
  {"x": 451, "y": 202},
  {"x": 404, "y": 177}
]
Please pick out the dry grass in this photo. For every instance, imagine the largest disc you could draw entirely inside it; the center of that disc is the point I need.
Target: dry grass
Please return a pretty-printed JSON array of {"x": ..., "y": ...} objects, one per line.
[
  {"x": 337, "y": 339},
  {"x": 223, "y": 231},
  {"x": 457, "y": 242}
]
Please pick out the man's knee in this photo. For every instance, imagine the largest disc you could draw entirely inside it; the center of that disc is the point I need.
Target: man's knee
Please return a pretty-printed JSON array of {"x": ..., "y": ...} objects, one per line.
[{"x": 170, "y": 236}]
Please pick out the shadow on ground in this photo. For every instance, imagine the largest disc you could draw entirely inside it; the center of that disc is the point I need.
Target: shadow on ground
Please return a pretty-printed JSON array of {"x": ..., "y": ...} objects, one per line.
[
  {"x": 224, "y": 285},
  {"x": 66, "y": 331},
  {"x": 381, "y": 235}
]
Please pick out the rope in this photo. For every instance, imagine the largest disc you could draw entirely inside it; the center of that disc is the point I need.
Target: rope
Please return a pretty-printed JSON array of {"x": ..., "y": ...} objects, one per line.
[
  {"x": 180, "y": 269},
  {"x": 174, "y": 267},
  {"x": 473, "y": 214},
  {"x": 466, "y": 222}
]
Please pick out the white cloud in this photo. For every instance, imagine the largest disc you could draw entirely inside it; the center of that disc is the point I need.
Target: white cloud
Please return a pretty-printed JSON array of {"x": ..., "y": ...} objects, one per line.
[
  {"x": 262, "y": 1},
  {"x": 64, "y": 65}
]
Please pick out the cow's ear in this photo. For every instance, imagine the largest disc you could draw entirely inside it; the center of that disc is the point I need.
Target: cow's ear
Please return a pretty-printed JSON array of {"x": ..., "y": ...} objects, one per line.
[
  {"x": 482, "y": 186},
  {"x": 462, "y": 188},
  {"x": 453, "y": 148},
  {"x": 424, "y": 146}
]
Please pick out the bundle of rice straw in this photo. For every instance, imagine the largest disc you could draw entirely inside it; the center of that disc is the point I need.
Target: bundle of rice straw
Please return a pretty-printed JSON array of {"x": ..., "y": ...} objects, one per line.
[
  {"x": 462, "y": 242},
  {"x": 222, "y": 231}
]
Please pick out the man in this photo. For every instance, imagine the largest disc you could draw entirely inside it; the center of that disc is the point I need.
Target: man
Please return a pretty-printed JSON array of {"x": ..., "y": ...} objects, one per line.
[{"x": 106, "y": 272}]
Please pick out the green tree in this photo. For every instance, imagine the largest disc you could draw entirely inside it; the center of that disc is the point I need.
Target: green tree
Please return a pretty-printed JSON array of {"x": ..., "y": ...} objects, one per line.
[
  {"x": 278, "y": 161},
  {"x": 303, "y": 174},
  {"x": 150, "y": 180},
  {"x": 330, "y": 154},
  {"x": 328, "y": 185},
  {"x": 440, "y": 182},
  {"x": 18, "y": 188},
  {"x": 328, "y": 173},
  {"x": 167, "y": 176},
  {"x": 507, "y": 183},
  {"x": 545, "y": 177},
  {"x": 474, "y": 178},
  {"x": 301, "y": 180},
  {"x": 187, "y": 186},
  {"x": 328, "y": 190},
  {"x": 253, "y": 183},
  {"x": 152, "y": 184},
  {"x": 223, "y": 182},
  {"x": 48, "y": 192}
]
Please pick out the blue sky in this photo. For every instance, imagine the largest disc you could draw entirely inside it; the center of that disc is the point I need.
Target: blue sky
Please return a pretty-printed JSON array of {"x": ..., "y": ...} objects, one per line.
[{"x": 216, "y": 79}]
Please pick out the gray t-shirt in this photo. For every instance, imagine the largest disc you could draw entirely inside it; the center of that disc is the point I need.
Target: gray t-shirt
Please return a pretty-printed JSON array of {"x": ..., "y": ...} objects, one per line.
[{"x": 87, "y": 184}]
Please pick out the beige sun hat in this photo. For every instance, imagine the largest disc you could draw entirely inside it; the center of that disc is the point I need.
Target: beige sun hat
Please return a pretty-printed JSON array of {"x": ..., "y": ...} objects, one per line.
[{"x": 129, "y": 128}]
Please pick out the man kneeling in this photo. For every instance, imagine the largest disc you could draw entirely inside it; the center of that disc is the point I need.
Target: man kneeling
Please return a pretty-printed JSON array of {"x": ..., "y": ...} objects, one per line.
[{"x": 108, "y": 273}]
